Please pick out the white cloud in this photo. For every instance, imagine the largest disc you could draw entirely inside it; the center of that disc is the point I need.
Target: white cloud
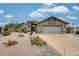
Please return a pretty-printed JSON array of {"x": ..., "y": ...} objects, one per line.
[
  {"x": 72, "y": 17},
  {"x": 76, "y": 8},
  {"x": 49, "y": 4},
  {"x": 59, "y": 9},
  {"x": 36, "y": 14},
  {"x": 42, "y": 11},
  {"x": 1, "y": 11},
  {"x": 8, "y": 17}
]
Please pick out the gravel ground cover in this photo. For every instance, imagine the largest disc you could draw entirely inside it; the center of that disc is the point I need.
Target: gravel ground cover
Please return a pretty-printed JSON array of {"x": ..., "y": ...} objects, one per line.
[{"x": 24, "y": 47}]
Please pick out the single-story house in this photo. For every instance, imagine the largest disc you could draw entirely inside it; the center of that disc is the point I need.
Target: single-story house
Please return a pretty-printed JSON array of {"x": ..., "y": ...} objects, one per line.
[{"x": 51, "y": 25}]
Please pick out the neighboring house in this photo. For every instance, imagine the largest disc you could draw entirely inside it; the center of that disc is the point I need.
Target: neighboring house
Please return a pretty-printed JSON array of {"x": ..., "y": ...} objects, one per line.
[
  {"x": 70, "y": 29},
  {"x": 32, "y": 25},
  {"x": 77, "y": 28},
  {"x": 51, "y": 25},
  {"x": 25, "y": 28}
]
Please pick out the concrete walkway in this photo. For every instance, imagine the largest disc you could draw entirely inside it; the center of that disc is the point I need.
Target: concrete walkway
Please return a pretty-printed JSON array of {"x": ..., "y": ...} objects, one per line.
[{"x": 66, "y": 44}]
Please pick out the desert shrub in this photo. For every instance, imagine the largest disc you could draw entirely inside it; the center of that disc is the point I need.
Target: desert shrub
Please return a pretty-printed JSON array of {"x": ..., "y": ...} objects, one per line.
[
  {"x": 31, "y": 33},
  {"x": 37, "y": 41},
  {"x": 6, "y": 33},
  {"x": 6, "y": 28},
  {"x": 10, "y": 43},
  {"x": 20, "y": 35},
  {"x": 25, "y": 31},
  {"x": 18, "y": 30},
  {"x": 10, "y": 29},
  {"x": 77, "y": 32},
  {"x": 22, "y": 30}
]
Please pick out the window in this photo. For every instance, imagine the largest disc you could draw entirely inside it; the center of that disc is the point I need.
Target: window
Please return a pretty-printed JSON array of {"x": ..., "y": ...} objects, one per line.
[{"x": 51, "y": 21}]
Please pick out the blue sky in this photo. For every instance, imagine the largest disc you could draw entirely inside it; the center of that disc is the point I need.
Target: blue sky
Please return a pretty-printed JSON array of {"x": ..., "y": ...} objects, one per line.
[{"x": 22, "y": 12}]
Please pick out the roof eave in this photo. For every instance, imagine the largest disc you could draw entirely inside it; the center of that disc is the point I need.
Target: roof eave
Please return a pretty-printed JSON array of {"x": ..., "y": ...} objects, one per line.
[{"x": 54, "y": 17}]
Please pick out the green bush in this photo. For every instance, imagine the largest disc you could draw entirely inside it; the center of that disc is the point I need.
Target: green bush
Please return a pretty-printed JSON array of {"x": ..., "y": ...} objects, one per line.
[
  {"x": 6, "y": 33},
  {"x": 77, "y": 32},
  {"x": 10, "y": 43},
  {"x": 37, "y": 41}
]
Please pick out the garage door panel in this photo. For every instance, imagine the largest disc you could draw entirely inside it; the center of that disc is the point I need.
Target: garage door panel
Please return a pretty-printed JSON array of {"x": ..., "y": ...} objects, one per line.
[{"x": 51, "y": 29}]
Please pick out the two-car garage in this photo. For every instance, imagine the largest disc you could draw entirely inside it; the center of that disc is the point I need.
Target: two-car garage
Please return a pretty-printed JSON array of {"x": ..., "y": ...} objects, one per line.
[{"x": 51, "y": 29}]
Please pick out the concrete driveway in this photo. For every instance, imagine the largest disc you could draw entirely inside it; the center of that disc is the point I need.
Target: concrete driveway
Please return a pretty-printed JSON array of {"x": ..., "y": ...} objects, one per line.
[{"x": 66, "y": 44}]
